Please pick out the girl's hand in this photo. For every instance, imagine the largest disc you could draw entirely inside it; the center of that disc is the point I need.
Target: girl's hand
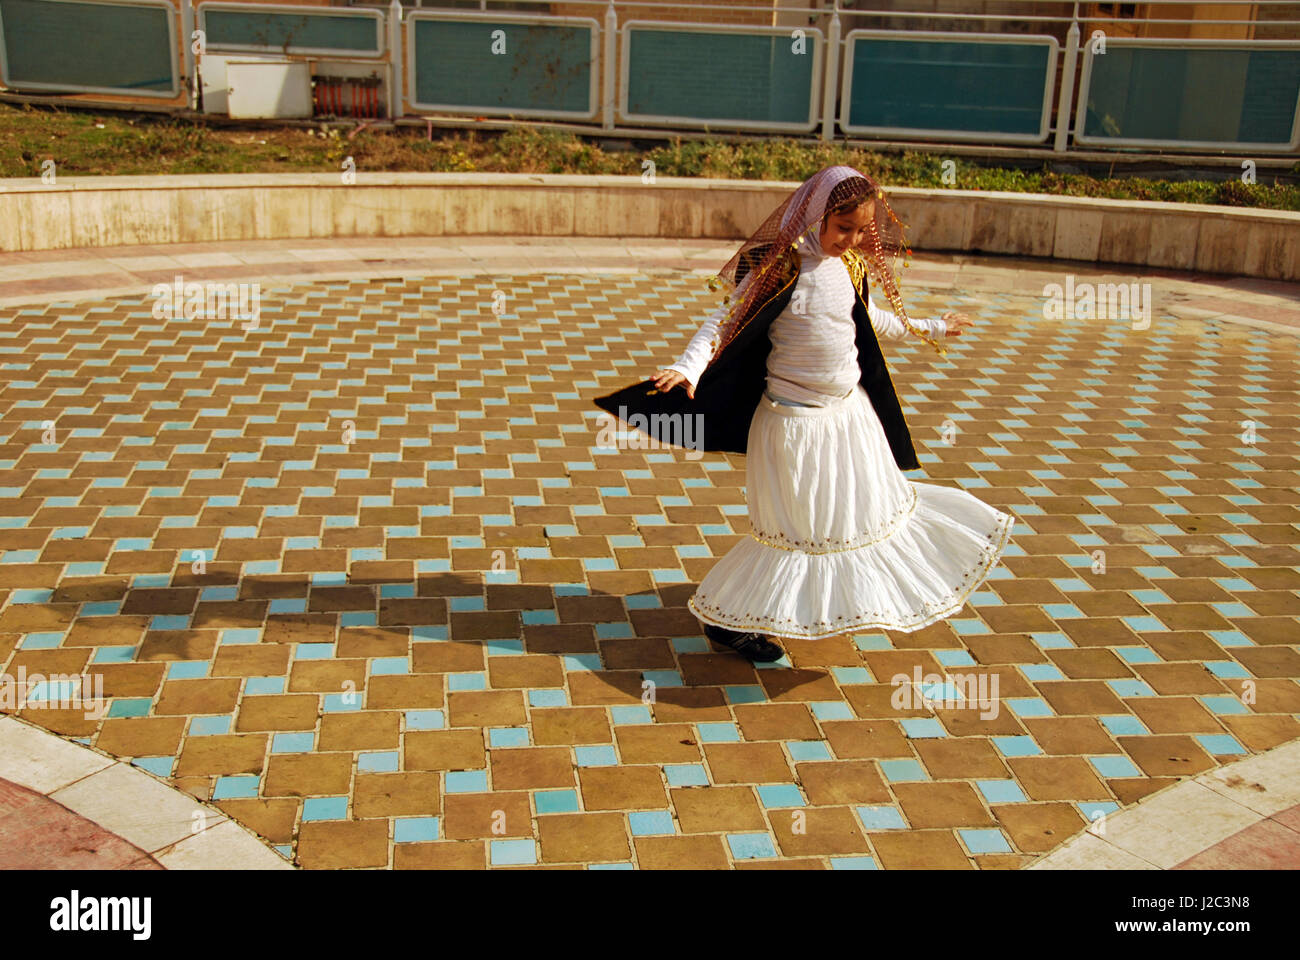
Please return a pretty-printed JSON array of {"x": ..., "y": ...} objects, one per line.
[
  {"x": 665, "y": 380},
  {"x": 956, "y": 321}
]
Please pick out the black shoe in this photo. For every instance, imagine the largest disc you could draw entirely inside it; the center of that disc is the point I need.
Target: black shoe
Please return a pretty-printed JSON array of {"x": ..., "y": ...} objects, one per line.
[{"x": 753, "y": 646}]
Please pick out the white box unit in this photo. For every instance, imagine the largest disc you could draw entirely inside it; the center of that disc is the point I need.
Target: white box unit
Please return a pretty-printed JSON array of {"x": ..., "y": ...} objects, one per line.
[{"x": 266, "y": 89}]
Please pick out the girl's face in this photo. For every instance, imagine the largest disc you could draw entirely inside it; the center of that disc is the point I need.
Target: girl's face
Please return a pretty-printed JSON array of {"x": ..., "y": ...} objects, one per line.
[{"x": 843, "y": 231}]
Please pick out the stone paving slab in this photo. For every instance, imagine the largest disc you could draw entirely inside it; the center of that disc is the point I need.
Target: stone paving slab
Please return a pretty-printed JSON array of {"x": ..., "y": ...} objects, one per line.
[
  {"x": 364, "y": 578},
  {"x": 1245, "y": 815},
  {"x": 64, "y": 806}
]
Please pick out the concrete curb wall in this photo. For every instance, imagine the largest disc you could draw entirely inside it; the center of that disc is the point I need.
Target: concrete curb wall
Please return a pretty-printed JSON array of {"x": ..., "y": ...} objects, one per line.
[{"x": 122, "y": 211}]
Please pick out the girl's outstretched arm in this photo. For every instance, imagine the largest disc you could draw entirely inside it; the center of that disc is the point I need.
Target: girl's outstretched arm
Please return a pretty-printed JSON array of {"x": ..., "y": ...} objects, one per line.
[
  {"x": 699, "y": 351},
  {"x": 889, "y": 327}
]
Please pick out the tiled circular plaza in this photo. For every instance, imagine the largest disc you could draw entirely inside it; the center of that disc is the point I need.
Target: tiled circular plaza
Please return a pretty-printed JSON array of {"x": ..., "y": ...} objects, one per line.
[{"x": 360, "y": 575}]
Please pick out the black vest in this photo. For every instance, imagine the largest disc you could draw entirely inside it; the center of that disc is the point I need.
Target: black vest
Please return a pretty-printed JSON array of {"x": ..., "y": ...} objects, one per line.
[{"x": 731, "y": 388}]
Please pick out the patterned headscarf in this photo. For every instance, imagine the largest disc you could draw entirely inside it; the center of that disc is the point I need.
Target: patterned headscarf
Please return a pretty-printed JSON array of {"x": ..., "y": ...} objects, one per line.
[{"x": 755, "y": 273}]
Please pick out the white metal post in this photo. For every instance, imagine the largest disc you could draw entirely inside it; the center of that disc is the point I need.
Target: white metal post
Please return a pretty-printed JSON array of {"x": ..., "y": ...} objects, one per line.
[
  {"x": 1065, "y": 102},
  {"x": 396, "y": 75},
  {"x": 187, "y": 44},
  {"x": 831, "y": 64},
  {"x": 607, "y": 68}
]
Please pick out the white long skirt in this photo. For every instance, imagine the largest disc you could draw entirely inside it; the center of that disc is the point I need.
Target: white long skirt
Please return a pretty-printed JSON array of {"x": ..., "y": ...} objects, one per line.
[{"x": 840, "y": 539}]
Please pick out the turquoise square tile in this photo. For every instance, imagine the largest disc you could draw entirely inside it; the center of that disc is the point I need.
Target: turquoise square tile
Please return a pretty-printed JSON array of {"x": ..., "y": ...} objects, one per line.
[
  {"x": 984, "y": 841},
  {"x": 750, "y": 846},
  {"x": 1124, "y": 725},
  {"x": 424, "y": 720},
  {"x": 548, "y": 698},
  {"x": 922, "y": 728},
  {"x": 807, "y": 751},
  {"x": 1114, "y": 767},
  {"x": 324, "y": 808},
  {"x": 187, "y": 670},
  {"x": 1144, "y": 624},
  {"x": 158, "y": 766},
  {"x": 686, "y": 775},
  {"x": 853, "y": 863},
  {"x": 1096, "y": 810},
  {"x": 691, "y": 645},
  {"x": 1017, "y": 746},
  {"x": 581, "y": 662},
  {"x": 43, "y": 641},
  {"x": 313, "y": 651},
  {"x": 902, "y": 771},
  {"x": 415, "y": 829},
  {"x": 621, "y": 715},
  {"x": 506, "y": 853},
  {"x": 1001, "y": 791},
  {"x": 467, "y": 781},
  {"x": 600, "y": 756},
  {"x": 1035, "y": 672},
  {"x": 556, "y": 801},
  {"x": 389, "y": 666},
  {"x": 1224, "y": 705},
  {"x": 385, "y": 761},
  {"x": 832, "y": 710},
  {"x": 293, "y": 742},
  {"x": 1130, "y": 688},
  {"x": 745, "y": 694},
  {"x": 209, "y": 726},
  {"x": 508, "y": 737},
  {"x": 263, "y": 686},
  {"x": 718, "y": 733},
  {"x": 881, "y": 818},
  {"x": 1227, "y": 669},
  {"x": 1051, "y": 641},
  {"x": 781, "y": 795},
  {"x": 466, "y": 681},
  {"x": 1029, "y": 707},
  {"x": 1220, "y": 744},
  {"x": 230, "y": 788},
  {"x": 138, "y": 707},
  {"x": 651, "y": 823},
  {"x": 1231, "y": 638},
  {"x": 662, "y": 678}
]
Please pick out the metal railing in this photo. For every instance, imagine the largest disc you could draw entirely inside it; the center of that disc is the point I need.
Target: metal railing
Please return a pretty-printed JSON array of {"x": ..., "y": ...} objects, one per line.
[{"x": 992, "y": 72}]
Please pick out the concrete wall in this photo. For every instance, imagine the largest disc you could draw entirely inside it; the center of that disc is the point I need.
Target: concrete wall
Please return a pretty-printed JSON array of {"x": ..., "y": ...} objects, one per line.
[{"x": 114, "y": 211}]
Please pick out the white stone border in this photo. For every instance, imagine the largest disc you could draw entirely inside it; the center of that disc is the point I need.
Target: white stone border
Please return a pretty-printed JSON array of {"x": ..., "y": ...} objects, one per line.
[
  {"x": 178, "y": 831},
  {"x": 125, "y": 211},
  {"x": 1177, "y": 823}
]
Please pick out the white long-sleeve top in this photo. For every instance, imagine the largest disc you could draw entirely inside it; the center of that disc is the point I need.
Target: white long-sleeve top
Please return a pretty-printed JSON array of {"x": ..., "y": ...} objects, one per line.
[{"x": 814, "y": 356}]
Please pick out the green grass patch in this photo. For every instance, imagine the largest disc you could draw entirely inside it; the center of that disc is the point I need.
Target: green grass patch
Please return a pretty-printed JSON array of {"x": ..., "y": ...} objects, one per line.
[{"x": 86, "y": 144}]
